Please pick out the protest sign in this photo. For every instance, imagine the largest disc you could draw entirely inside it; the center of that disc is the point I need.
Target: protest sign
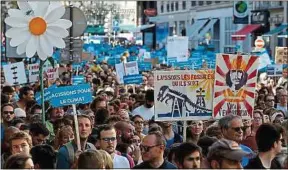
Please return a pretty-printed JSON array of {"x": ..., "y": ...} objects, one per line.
[
  {"x": 145, "y": 66},
  {"x": 69, "y": 95},
  {"x": 234, "y": 87},
  {"x": 133, "y": 79},
  {"x": 49, "y": 71},
  {"x": 281, "y": 55},
  {"x": 183, "y": 94},
  {"x": 120, "y": 72},
  {"x": 131, "y": 68},
  {"x": 15, "y": 73},
  {"x": 78, "y": 80},
  {"x": 147, "y": 55},
  {"x": 177, "y": 47},
  {"x": 33, "y": 72},
  {"x": 141, "y": 52},
  {"x": 275, "y": 70},
  {"x": 47, "y": 94}
]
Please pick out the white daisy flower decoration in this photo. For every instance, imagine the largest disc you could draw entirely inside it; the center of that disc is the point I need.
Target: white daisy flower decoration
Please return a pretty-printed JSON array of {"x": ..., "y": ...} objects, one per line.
[{"x": 37, "y": 27}]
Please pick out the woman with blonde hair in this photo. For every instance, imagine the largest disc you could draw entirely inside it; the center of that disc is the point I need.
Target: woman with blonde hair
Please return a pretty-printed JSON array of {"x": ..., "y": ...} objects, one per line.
[
  {"x": 64, "y": 135},
  {"x": 108, "y": 162}
]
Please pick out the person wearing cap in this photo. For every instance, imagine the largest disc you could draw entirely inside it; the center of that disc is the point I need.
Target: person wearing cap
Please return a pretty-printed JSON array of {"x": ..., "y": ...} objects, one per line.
[
  {"x": 20, "y": 113},
  {"x": 225, "y": 154},
  {"x": 268, "y": 140}
]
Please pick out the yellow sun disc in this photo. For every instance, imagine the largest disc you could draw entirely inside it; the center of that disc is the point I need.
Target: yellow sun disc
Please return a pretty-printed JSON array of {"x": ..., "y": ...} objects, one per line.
[{"x": 37, "y": 26}]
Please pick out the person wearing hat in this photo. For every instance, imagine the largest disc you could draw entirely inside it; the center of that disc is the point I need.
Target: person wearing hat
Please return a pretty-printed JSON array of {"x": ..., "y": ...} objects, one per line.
[{"x": 225, "y": 154}]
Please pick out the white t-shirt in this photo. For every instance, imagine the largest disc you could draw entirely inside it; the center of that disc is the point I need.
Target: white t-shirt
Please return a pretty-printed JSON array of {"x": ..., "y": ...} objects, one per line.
[
  {"x": 146, "y": 113},
  {"x": 120, "y": 162}
]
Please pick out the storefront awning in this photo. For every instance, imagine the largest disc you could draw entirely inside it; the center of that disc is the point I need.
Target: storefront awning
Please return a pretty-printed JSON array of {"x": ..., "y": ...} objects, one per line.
[
  {"x": 193, "y": 30},
  {"x": 207, "y": 28},
  {"x": 142, "y": 27},
  {"x": 276, "y": 30},
  {"x": 283, "y": 35},
  {"x": 242, "y": 33}
]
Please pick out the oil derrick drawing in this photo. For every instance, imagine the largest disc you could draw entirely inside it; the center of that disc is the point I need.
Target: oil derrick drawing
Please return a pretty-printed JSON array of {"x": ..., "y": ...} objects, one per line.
[{"x": 200, "y": 101}]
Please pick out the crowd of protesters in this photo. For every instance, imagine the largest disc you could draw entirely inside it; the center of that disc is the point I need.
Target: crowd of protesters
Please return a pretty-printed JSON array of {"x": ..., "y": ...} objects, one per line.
[{"x": 117, "y": 129}]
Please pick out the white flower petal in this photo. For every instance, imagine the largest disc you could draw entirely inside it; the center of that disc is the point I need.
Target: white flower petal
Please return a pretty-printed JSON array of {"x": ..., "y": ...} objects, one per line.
[
  {"x": 33, "y": 4},
  {"x": 53, "y": 5},
  {"x": 15, "y": 13},
  {"x": 45, "y": 45},
  {"x": 41, "y": 9},
  {"x": 64, "y": 23},
  {"x": 21, "y": 38},
  {"x": 14, "y": 31},
  {"x": 32, "y": 46},
  {"x": 55, "y": 14},
  {"x": 24, "y": 6},
  {"x": 21, "y": 48},
  {"x": 17, "y": 22},
  {"x": 41, "y": 54},
  {"x": 56, "y": 41},
  {"x": 57, "y": 31}
]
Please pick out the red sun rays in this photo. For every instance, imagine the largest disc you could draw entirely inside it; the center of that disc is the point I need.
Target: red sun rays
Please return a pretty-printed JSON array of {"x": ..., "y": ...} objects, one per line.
[{"x": 251, "y": 74}]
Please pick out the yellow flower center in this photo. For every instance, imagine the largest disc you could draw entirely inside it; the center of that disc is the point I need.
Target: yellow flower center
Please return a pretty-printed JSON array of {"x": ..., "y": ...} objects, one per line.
[{"x": 37, "y": 26}]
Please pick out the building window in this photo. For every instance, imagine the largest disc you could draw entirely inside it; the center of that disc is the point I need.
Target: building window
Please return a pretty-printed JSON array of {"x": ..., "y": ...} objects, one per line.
[
  {"x": 209, "y": 2},
  {"x": 162, "y": 6},
  {"x": 176, "y": 6},
  {"x": 168, "y": 6},
  {"x": 200, "y": 3},
  {"x": 230, "y": 29},
  {"x": 172, "y": 6},
  {"x": 184, "y": 5},
  {"x": 193, "y": 3}
]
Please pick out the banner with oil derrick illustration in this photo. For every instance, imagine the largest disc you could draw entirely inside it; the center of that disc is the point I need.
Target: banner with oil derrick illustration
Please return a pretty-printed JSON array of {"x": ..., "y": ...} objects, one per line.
[
  {"x": 183, "y": 94},
  {"x": 234, "y": 87}
]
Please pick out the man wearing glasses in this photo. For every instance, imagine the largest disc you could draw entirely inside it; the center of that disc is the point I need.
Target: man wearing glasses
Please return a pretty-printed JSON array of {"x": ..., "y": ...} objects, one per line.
[
  {"x": 7, "y": 114},
  {"x": 232, "y": 129},
  {"x": 108, "y": 142},
  {"x": 152, "y": 150}
]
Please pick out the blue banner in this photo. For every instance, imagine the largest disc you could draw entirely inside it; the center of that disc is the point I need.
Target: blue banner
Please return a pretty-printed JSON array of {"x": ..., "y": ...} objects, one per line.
[
  {"x": 47, "y": 94},
  {"x": 78, "y": 80},
  {"x": 69, "y": 95},
  {"x": 162, "y": 32},
  {"x": 133, "y": 79},
  {"x": 144, "y": 66}
]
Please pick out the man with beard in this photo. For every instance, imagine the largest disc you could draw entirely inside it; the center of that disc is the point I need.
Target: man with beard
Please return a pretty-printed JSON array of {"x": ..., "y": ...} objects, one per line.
[
  {"x": 188, "y": 156},
  {"x": 26, "y": 95},
  {"x": 125, "y": 134},
  {"x": 67, "y": 153},
  {"x": 108, "y": 142},
  {"x": 54, "y": 113},
  {"x": 146, "y": 110}
]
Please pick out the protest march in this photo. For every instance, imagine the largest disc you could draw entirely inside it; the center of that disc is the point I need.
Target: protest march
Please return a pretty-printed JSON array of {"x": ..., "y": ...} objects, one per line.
[{"x": 124, "y": 105}]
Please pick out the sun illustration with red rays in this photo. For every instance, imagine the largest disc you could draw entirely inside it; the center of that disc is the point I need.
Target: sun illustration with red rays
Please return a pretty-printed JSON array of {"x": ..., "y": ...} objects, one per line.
[
  {"x": 234, "y": 86},
  {"x": 205, "y": 84}
]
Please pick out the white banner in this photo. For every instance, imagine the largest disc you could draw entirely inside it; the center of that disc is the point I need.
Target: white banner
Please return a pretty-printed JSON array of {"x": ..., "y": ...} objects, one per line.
[
  {"x": 50, "y": 72},
  {"x": 177, "y": 47},
  {"x": 15, "y": 73},
  {"x": 33, "y": 72},
  {"x": 131, "y": 68},
  {"x": 120, "y": 72},
  {"x": 183, "y": 94}
]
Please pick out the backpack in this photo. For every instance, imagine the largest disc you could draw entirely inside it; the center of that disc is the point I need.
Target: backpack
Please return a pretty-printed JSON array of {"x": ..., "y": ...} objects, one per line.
[{"x": 71, "y": 152}]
